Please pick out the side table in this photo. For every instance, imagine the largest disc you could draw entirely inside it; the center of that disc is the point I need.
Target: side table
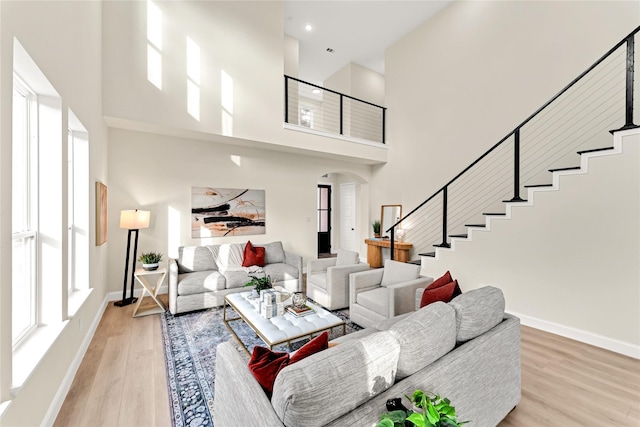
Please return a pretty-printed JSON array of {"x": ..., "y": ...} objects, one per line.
[{"x": 141, "y": 278}]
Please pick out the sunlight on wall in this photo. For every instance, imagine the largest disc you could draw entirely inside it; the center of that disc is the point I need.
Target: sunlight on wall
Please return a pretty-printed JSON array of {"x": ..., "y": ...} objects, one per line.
[
  {"x": 154, "y": 44},
  {"x": 226, "y": 100},
  {"x": 173, "y": 231},
  {"x": 193, "y": 79},
  {"x": 236, "y": 159}
]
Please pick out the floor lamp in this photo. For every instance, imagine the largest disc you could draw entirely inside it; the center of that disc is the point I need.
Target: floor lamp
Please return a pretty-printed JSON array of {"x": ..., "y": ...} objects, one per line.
[{"x": 133, "y": 220}]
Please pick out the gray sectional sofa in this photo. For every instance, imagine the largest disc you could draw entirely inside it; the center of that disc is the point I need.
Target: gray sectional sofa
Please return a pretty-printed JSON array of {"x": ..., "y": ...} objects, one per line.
[
  {"x": 201, "y": 276},
  {"x": 467, "y": 350}
]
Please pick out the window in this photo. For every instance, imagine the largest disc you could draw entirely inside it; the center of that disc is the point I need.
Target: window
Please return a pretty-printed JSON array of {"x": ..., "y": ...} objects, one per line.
[{"x": 24, "y": 214}]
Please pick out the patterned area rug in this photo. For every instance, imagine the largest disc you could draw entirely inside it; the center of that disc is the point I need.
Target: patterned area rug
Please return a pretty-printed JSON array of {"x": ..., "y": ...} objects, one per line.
[{"x": 190, "y": 342}]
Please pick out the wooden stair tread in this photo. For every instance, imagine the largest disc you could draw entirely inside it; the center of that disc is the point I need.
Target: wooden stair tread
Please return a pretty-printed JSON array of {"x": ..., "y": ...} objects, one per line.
[
  {"x": 459, "y": 236},
  {"x": 431, "y": 254},
  {"x": 476, "y": 225}
]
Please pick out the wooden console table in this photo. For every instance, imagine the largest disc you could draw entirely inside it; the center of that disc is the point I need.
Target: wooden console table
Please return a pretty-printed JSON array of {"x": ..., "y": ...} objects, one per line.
[{"x": 374, "y": 251}]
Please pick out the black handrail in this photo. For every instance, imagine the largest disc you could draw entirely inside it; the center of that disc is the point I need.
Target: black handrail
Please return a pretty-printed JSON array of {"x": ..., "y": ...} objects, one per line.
[
  {"x": 333, "y": 91},
  {"x": 629, "y": 40}
]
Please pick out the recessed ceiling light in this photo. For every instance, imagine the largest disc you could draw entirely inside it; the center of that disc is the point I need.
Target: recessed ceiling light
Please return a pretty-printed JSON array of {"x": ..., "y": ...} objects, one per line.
[
  {"x": 315, "y": 91},
  {"x": 308, "y": 27}
]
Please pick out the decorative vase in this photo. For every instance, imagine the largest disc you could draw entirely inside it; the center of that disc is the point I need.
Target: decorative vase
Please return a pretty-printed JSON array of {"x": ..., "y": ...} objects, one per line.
[
  {"x": 299, "y": 300},
  {"x": 150, "y": 267}
]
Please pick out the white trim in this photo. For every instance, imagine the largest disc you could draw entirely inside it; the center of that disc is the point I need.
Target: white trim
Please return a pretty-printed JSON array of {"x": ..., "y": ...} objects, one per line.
[
  {"x": 614, "y": 345},
  {"x": 117, "y": 296},
  {"x": 65, "y": 385},
  {"x": 305, "y": 129}
]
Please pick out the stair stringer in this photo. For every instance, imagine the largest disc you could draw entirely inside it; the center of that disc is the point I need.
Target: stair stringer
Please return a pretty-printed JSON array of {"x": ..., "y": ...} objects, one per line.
[{"x": 568, "y": 259}]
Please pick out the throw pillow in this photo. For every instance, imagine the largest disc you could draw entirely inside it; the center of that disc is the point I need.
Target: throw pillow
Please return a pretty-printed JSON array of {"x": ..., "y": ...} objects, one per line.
[
  {"x": 253, "y": 255},
  {"x": 228, "y": 256},
  {"x": 440, "y": 281},
  {"x": 444, "y": 293},
  {"x": 274, "y": 253},
  {"x": 319, "y": 343},
  {"x": 265, "y": 364}
]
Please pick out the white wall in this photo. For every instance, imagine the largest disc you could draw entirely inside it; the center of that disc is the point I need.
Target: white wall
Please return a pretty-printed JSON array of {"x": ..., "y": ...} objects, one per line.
[
  {"x": 64, "y": 39},
  {"x": 244, "y": 40},
  {"x": 157, "y": 172},
  {"x": 464, "y": 79},
  {"x": 569, "y": 263}
]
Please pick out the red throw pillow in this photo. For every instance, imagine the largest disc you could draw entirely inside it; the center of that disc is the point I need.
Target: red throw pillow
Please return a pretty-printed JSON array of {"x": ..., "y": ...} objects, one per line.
[
  {"x": 444, "y": 293},
  {"x": 441, "y": 281},
  {"x": 265, "y": 364},
  {"x": 319, "y": 343},
  {"x": 253, "y": 255}
]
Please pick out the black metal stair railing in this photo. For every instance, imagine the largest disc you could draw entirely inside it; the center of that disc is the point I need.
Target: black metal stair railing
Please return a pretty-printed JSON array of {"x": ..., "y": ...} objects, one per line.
[
  {"x": 315, "y": 107},
  {"x": 578, "y": 119}
]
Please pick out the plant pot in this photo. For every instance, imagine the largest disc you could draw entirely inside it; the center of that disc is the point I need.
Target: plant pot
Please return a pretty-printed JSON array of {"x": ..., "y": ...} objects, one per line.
[{"x": 150, "y": 267}]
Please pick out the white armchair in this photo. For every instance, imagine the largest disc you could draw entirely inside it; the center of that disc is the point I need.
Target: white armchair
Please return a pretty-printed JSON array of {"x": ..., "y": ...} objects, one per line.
[
  {"x": 328, "y": 278},
  {"x": 381, "y": 294}
]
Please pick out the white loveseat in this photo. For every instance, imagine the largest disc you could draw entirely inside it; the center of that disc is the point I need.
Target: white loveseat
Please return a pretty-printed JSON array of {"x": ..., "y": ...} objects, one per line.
[{"x": 201, "y": 276}]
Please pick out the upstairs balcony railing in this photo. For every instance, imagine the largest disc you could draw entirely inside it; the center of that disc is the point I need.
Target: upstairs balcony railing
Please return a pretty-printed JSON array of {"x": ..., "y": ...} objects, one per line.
[
  {"x": 325, "y": 110},
  {"x": 577, "y": 120}
]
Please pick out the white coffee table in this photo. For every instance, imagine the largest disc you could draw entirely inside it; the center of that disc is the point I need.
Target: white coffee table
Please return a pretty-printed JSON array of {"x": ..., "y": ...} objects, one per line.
[{"x": 279, "y": 329}]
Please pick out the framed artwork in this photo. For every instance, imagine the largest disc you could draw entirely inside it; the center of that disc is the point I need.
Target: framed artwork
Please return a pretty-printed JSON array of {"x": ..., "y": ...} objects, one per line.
[
  {"x": 218, "y": 212},
  {"x": 101, "y": 213}
]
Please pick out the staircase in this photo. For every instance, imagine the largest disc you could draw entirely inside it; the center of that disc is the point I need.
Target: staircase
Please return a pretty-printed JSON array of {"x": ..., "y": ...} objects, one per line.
[{"x": 551, "y": 213}]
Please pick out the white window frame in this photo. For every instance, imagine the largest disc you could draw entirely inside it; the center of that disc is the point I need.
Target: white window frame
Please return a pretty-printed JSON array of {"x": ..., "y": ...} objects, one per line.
[{"x": 31, "y": 208}]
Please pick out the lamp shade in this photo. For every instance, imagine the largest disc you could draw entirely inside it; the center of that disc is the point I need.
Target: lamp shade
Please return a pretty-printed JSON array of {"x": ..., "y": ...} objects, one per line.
[{"x": 134, "y": 219}]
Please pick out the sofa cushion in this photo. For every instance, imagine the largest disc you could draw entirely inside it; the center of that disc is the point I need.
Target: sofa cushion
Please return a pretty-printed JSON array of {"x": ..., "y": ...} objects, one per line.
[
  {"x": 444, "y": 293},
  {"x": 397, "y": 272},
  {"x": 424, "y": 336},
  {"x": 477, "y": 311},
  {"x": 273, "y": 253},
  {"x": 195, "y": 258},
  {"x": 345, "y": 257},
  {"x": 253, "y": 255},
  {"x": 280, "y": 271},
  {"x": 236, "y": 279},
  {"x": 328, "y": 384},
  {"x": 376, "y": 300},
  {"x": 318, "y": 279},
  {"x": 199, "y": 282},
  {"x": 228, "y": 256}
]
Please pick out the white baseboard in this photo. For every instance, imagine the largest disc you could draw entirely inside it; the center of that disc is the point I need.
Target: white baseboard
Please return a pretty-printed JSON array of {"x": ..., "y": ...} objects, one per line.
[
  {"x": 614, "y": 345},
  {"x": 61, "y": 394},
  {"x": 117, "y": 296}
]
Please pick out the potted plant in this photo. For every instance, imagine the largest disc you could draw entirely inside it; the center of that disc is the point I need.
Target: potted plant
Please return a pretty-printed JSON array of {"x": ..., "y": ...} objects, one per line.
[
  {"x": 150, "y": 260},
  {"x": 376, "y": 228},
  {"x": 431, "y": 410},
  {"x": 259, "y": 283}
]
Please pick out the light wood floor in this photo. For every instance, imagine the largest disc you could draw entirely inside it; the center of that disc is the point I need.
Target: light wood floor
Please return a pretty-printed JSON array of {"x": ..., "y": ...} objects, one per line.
[{"x": 122, "y": 382}]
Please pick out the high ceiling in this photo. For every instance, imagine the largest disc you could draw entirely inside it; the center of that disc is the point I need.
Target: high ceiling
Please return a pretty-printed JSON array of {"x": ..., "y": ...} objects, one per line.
[{"x": 357, "y": 31}]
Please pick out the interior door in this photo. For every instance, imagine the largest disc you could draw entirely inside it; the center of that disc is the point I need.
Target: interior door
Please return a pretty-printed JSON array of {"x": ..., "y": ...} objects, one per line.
[
  {"x": 348, "y": 216},
  {"x": 324, "y": 219}
]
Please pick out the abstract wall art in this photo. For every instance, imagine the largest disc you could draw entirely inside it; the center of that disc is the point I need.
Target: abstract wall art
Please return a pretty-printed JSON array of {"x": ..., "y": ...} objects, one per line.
[{"x": 218, "y": 212}]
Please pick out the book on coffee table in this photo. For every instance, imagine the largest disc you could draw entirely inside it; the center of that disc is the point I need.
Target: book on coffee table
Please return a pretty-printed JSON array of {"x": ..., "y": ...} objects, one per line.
[{"x": 300, "y": 311}]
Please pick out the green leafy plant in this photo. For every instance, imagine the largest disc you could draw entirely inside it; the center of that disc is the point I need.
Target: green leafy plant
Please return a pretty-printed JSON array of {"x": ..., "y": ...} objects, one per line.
[
  {"x": 260, "y": 283},
  {"x": 150, "y": 257},
  {"x": 432, "y": 411},
  {"x": 376, "y": 226}
]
